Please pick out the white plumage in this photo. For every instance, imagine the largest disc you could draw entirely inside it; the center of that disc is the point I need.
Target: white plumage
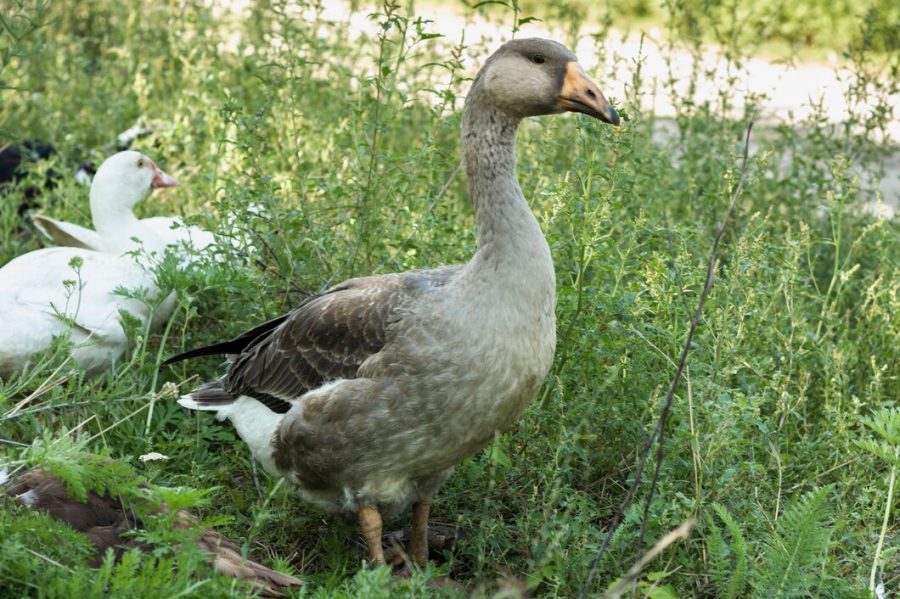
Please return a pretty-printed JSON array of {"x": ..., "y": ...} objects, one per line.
[{"x": 80, "y": 293}]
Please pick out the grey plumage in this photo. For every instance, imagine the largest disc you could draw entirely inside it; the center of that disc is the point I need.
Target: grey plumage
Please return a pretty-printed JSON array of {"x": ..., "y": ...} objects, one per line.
[{"x": 393, "y": 379}]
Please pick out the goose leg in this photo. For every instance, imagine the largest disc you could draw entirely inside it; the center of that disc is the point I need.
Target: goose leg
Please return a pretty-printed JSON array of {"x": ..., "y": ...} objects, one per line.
[
  {"x": 418, "y": 537},
  {"x": 370, "y": 523}
]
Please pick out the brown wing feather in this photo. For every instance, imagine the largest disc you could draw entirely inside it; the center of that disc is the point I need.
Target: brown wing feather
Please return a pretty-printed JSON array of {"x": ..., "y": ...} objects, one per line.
[{"x": 330, "y": 335}]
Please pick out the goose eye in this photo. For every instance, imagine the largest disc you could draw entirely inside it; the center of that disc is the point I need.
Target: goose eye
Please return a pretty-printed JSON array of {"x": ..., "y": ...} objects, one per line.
[
  {"x": 538, "y": 59},
  {"x": 141, "y": 163}
]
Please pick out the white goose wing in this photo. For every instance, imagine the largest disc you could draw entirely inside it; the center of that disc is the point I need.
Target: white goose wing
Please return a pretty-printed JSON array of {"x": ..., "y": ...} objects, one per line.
[{"x": 68, "y": 234}]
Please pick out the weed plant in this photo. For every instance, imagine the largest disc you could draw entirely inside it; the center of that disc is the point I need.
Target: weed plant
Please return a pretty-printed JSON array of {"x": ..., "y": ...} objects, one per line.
[{"x": 316, "y": 154}]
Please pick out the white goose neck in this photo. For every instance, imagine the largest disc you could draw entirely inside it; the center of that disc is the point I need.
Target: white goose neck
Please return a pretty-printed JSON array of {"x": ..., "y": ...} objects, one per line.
[{"x": 114, "y": 220}]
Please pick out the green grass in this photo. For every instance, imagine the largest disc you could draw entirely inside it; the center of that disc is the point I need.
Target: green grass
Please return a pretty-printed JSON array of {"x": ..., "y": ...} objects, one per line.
[{"x": 339, "y": 157}]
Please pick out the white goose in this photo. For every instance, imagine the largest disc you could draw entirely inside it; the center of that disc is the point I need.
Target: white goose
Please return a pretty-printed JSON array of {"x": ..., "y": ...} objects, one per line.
[
  {"x": 366, "y": 396},
  {"x": 74, "y": 291},
  {"x": 111, "y": 213}
]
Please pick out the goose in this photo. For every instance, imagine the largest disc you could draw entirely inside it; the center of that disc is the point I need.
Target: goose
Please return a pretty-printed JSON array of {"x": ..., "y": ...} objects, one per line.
[
  {"x": 111, "y": 213},
  {"x": 367, "y": 395},
  {"x": 14, "y": 155},
  {"x": 104, "y": 519},
  {"x": 74, "y": 291}
]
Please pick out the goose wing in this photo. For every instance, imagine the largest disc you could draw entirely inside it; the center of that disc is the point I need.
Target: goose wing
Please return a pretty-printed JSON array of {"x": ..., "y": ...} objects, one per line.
[
  {"x": 327, "y": 337},
  {"x": 68, "y": 234}
]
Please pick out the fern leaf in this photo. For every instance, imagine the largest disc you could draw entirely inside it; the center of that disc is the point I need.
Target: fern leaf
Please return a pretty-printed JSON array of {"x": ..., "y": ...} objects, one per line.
[
  {"x": 796, "y": 548},
  {"x": 728, "y": 561},
  {"x": 64, "y": 457}
]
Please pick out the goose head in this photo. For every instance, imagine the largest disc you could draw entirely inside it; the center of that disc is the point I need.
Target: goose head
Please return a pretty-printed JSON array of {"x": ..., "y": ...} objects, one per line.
[
  {"x": 124, "y": 179},
  {"x": 534, "y": 76}
]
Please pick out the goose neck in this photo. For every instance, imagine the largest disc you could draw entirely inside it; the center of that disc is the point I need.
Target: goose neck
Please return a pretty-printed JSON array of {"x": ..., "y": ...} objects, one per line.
[
  {"x": 111, "y": 207},
  {"x": 118, "y": 227},
  {"x": 113, "y": 221},
  {"x": 507, "y": 229}
]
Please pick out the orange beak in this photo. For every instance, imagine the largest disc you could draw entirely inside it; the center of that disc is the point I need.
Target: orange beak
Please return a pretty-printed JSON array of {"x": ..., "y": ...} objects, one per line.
[
  {"x": 580, "y": 94},
  {"x": 161, "y": 179}
]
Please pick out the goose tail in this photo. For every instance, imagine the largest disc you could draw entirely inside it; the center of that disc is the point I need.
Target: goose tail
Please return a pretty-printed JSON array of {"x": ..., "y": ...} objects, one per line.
[
  {"x": 209, "y": 397},
  {"x": 255, "y": 422},
  {"x": 212, "y": 397}
]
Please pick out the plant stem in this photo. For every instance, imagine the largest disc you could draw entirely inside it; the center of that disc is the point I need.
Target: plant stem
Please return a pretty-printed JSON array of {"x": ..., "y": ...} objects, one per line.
[{"x": 884, "y": 527}]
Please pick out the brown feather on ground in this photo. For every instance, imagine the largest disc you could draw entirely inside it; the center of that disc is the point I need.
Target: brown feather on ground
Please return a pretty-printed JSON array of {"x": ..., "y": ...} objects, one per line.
[{"x": 104, "y": 519}]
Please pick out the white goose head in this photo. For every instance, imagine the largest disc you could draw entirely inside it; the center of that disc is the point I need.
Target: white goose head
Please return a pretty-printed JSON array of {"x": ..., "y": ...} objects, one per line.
[{"x": 123, "y": 180}]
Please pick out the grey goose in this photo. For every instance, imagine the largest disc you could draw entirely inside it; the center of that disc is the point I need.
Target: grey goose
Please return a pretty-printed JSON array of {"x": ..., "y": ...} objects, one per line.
[{"x": 367, "y": 395}]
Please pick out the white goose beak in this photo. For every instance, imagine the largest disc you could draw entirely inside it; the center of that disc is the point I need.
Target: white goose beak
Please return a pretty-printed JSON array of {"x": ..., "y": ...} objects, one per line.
[{"x": 161, "y": 179}]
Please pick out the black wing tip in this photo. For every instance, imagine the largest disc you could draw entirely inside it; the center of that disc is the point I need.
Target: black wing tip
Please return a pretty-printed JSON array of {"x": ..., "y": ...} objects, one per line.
[
  {"x": 277, "y": 405},
  {"x": 193, "y": 353},
  {"x": 232, "y": 346}
]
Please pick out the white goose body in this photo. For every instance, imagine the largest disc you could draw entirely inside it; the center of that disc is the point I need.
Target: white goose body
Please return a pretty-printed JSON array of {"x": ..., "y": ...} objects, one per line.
[
  {"x": 367, "y": 395},
  {"x": 45, "y": 296},
  {"x": 39, "y": 304}
]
